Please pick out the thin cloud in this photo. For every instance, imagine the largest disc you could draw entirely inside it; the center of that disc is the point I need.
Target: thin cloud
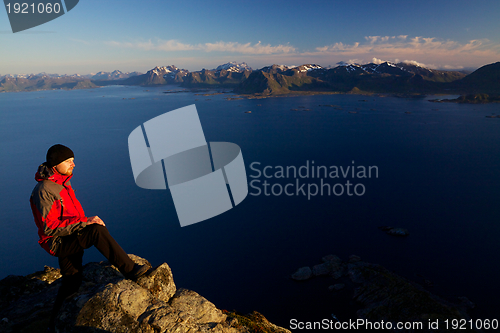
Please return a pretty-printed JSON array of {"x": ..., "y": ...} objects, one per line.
[
  {"x": 336, "y": 48},
  {"x": 426, "y": 49},
  {"x": 402, "y": 45},
  {"x": 452, "y": 67},
  {"x": 378, "y": 61},
  {"x": 169, "y": 45},
  {"x": 375, "y": 39},
  {"x": 430, "y": 52},
  {"x": 221, "y": 46},
  {"x": 416, "y": 63},
  {"x": 173, "y": 45},
  {"x": 80, "y": 41},
  {"x": 354, "y": 61},
  {"x": 247, "y": 48}
]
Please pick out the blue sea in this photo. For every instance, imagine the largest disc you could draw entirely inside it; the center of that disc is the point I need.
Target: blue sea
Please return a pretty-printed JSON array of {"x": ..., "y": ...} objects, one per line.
[{"x": 437, "y": 176}]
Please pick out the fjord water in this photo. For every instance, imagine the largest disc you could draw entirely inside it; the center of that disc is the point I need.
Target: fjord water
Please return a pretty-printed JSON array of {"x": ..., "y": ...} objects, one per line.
[{"x": 438, "y": 177}]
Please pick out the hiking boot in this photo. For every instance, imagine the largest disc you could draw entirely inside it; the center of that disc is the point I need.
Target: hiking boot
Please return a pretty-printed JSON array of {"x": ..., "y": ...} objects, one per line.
[{"x": 137, "y": 272}]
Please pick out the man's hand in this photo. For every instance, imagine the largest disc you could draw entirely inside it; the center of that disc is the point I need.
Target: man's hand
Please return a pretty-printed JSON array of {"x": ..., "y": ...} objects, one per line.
[{"x": 95, "y": 220}]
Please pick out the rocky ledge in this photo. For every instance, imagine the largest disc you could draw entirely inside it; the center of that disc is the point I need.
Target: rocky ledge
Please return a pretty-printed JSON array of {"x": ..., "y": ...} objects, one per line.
[
  {"x": 106, "y": 302},
  {"x": 382, "y": 295}
]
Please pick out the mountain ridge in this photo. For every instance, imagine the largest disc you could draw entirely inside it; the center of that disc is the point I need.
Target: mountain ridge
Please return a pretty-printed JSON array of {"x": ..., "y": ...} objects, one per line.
[{"x": 385, "y": 77}]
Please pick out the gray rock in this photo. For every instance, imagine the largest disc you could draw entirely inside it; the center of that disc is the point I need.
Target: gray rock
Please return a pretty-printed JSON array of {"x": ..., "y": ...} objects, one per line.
[
  {"x": 336, "y": 274},
  {"x": 162, "y": 317},
  {"x": 100, "y": 273},
  {"x": 322, "y": 269},
  {"x": 387, "y": 296},
  {"x": 139, "y": 260},
  {"x": 395, "y": 231},
  {"x": 160, "y": 282},
  {"x": 197, "y": 307},
  {"x": 465, "y": 302},
  {"x": 106, "y": 302},
  {"x": 354, "y": 258},
  {"x": 384, "y": 296},
  {"x": 332, "y": 258},
  {"x": 398, "y": 232},
  {"x": 332, "y": 265},
  {"x": 115, "y": 309},
  {"x": 337, "y": 286},
  {"x": 302, "y": 274},
  {"x": 338, "y": 269}
]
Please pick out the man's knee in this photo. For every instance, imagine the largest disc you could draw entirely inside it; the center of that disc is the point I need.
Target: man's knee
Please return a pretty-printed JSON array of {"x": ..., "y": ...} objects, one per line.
[
  {"x": 90, "y": 235},
  {"x": 96, "y": 229}
]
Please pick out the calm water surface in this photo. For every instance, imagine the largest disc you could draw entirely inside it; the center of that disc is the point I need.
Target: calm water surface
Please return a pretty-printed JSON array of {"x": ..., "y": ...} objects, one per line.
[{"x": 438, "y": 176}]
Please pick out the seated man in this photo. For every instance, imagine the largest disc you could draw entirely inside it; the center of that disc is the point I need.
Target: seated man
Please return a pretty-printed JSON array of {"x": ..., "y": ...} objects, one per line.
[{"x": 65, "y": 231}]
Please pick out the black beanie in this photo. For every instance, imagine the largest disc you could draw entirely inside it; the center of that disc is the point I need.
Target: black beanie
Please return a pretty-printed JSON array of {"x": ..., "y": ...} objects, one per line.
[{"x": 57, "y": 154}]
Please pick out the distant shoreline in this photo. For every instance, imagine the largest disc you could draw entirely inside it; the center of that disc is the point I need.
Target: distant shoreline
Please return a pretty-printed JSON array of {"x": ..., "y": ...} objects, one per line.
[
  {"x": 470, "y": 99},
  {"x": 465, "y": 99}
]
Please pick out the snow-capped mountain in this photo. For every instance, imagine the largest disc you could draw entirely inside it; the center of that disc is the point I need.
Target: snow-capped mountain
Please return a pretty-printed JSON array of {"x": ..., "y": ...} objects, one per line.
[
  {"x": 115, "y": 75},
  {"x": 308, "y": 68},
  {"x": 163, "y": 70},
  {"x": 387, "y": 67},
  {"x": 42, "y": 75},
  {"x": 276, "y": 68},
  {"x": 275, "y": 79},
  {"x": 283, "y": 68},
  {"x": 233, "y": 66},
  {"x": 167, "y": 72},
  {"x": 29, "y": 76}
]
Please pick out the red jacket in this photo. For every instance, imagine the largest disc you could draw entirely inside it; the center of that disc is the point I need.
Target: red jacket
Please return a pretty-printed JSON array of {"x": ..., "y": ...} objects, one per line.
[{"x": 55, "y": 208}]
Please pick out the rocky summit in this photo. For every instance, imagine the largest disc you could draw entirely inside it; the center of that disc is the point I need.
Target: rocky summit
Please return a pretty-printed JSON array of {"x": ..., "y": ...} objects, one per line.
[{"x": 106, "y": 302}]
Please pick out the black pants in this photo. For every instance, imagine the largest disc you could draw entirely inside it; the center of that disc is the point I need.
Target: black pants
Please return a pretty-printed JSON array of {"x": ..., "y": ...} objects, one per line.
[
  {"x": 70, "y": 255},
  {"x": 70, "y": 250}
]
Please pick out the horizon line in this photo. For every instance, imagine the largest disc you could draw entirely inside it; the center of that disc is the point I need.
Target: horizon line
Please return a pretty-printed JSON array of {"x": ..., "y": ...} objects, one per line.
[{"x": 472, "y": 68}]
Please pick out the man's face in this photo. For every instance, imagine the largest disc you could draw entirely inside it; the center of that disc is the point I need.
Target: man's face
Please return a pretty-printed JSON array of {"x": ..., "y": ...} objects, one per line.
[{"x": 66, "y": 167}]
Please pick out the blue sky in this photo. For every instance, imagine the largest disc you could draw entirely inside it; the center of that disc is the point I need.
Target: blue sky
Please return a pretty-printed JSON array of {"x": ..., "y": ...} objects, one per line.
[{"x": 104, "y": 35}]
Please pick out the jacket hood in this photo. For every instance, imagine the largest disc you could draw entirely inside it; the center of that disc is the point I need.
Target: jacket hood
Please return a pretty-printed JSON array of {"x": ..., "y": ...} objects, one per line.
[{"x": 46, "y": 173}]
